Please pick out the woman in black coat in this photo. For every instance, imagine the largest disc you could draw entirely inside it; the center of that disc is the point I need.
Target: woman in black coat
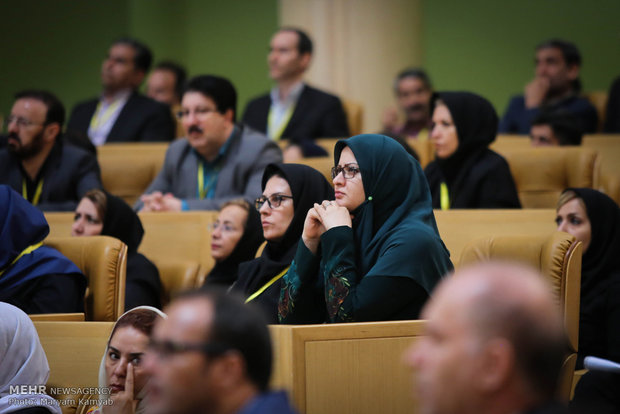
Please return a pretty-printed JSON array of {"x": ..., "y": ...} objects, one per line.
[
  {"x": 466, "y": 173},
  {"x": 101, "y": 213}
]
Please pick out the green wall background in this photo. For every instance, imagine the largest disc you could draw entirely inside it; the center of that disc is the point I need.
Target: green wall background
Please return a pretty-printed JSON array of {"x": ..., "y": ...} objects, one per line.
[
  {"x": 479, "y": 45},
  {"x": 488, "y": 46},
  {"x": 59, "y": 44}
]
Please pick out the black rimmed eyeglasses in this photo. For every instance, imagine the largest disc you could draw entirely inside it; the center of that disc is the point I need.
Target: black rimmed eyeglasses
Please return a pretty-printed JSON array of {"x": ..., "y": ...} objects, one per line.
[
  {"x": 349, "y": 170},
  {"x": 273, "y": 200},
  {"x": 166, "y": 349}
]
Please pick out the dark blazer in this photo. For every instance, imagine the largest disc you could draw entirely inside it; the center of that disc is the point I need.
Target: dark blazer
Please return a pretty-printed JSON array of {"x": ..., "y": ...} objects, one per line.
[
  {"x": 141, "y": 119},
  {"x": 317, "y": 115},
  {"x": 68, "y": 173}
]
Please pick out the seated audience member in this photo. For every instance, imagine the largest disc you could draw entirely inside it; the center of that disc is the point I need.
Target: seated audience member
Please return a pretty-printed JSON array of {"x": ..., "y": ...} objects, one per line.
[
  {"x": 212, "y": 355},
  {"x": 554, "y": 129},
  {"x": 121, "y": 113},
  {"x": 294, "y": 110},
  {"x": 494, "y": 344},
  {"x": 165, "y": 85},
  {"x": 122, "y": 366},
  {"x": 22, "y": 362},
  {"x": 556, "y": 86},
  {"x": 35, "y": 278},
  {"x": 217, "y": 161},
  {"x": 237, "y": 234},
  {"x": 101, "y": 213},
  {"x": 594, "y": 219},
  {"x": 289, "y": 191},
  {"x": 612, "y": 112},
  {"x": 50, "y": 173},
  {"x": 376, "y": 248},
  {"x": 413, "y": 91},
  {"x": 466, "y": 173}
]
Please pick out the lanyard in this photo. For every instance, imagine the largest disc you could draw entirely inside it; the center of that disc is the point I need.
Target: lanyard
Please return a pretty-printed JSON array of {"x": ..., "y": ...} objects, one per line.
[
  {"x": 203, "y": 190},
  {"x": 27, "y": 250},
  {"x": 101, "y": 118},
  {"x": 271, "y": 282},
  {"x": 37, "y": 192},
  {"x": 444, "y": 196},
  {"x": 277, "y": 133}
]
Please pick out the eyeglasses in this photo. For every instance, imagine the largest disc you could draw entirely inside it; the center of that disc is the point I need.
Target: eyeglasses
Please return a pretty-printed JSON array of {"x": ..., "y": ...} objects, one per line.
[
  {"x": 273, "y": 200},
  {"x": 198, "y": 112},
  {"x": 21, "y": 122},
  {"x": 225, "y": 227},
  {"x": 349, "y": 170},
  {"x": 166, "y": 349}
]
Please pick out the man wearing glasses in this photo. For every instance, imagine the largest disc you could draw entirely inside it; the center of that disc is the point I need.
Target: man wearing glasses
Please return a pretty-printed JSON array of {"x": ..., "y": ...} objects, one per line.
[
  {"x": 217, "y": 161},
  {"x": 211, "y": 355},
  {"x": 48, "y": 172}
]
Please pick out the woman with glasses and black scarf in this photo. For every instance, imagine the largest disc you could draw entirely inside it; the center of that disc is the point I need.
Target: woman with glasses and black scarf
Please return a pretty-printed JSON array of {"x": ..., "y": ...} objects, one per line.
[
  {"x": 289, "y": 191},
  {"x": 376, "y": 248}
]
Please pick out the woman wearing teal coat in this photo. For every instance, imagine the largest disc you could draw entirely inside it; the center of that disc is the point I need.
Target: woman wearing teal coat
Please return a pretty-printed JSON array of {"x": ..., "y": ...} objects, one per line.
[{"x": 376, "y": 247}]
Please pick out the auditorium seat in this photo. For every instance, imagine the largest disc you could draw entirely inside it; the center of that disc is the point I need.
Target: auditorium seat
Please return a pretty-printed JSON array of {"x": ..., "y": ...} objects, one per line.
[
  {"x": 179, "y": 244},
  {"x": 542, "y": 173},
  {"x": 459, "y": 227},
  {"x": 103, "y": 260},
  {"x": 558, "y": 257},
  {"x": 355, "y": 116},
  {"x": 127, "y": 169},
  {"x": 599, "y": 100}
]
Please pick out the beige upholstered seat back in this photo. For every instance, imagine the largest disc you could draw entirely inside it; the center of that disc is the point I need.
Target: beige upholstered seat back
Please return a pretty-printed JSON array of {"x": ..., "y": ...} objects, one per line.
[
  {"x": 104, "y": 262},
  {"x": 355, "y": 116},
  {"x": 558, "y": 257},
  {"x": 542, "y": 173},
  {"x": 127, "y": 169}
]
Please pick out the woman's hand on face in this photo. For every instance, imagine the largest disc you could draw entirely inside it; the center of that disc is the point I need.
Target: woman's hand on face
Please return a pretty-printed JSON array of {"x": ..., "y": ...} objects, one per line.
[
  {"x": 333, "y": 215},
  {"x": 123, "y": 402},
  {"x": 313, "y": 228}
]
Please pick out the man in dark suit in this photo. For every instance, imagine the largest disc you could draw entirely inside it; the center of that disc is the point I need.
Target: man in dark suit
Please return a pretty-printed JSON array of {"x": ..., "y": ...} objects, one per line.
[
  {"x": 294, "y": 110},
  {"x": 51, "y": 174},
  {"x": 121, "y": 113}
]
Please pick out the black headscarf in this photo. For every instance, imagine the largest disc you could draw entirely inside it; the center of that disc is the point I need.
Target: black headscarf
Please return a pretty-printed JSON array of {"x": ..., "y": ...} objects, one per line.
[
  {"x": 476, "y": 123},
  {"x": 600, "y": 278},
  {"x": 308, "y": 186},
  {"x": 603, "y": 255},
  {"x": 122, "y": 222},
  {"x": 225, "y": 272},
  {"x": 143, "y": 285}
]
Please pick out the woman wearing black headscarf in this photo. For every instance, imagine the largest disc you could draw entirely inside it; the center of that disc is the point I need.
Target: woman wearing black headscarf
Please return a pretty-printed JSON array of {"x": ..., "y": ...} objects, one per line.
[
  {"x": 101, "y": 213},
  {"x": 236, "y": 236},
  {"x": 289, "y": 191},
  {"x": 376, "y": 248},
  {"x": 594, "y": 219},
  {"x": 466, "y": 173}
]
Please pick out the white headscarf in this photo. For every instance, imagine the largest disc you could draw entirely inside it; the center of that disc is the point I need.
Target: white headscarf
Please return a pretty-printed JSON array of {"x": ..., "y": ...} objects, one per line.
[
  {"x": 103, "y": 380},
  {"x": 22, "y": 362}
]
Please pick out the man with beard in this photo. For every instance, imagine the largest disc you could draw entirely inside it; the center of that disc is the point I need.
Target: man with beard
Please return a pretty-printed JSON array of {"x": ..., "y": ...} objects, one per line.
[
  {"x": 51, "y": 174},
  {"x": 294, "y": 110},
  {"x": 121, "y": 113},
  {"x": 413, "y": 91},
  {"x": 217, "y": 161},
  {"x": 555, "y": 87}
]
